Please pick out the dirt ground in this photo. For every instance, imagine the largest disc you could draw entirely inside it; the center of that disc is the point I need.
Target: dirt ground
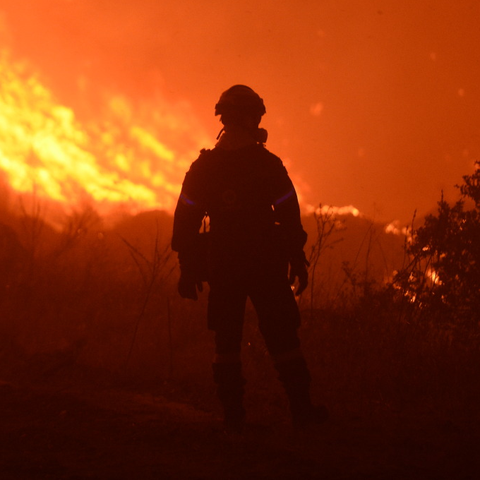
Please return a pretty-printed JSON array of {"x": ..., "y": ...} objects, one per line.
[{"x": 61, "y": 429}]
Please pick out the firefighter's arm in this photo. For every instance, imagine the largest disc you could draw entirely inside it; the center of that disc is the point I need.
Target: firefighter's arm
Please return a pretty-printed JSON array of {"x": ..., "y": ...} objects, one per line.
[
  {"x": 287, "y": 215},
  {"x": 186, "y": 225}
]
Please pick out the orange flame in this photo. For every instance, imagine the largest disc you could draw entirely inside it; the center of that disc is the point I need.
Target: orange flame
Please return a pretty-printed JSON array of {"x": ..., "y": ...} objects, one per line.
[{"x": 115, "y": 160}]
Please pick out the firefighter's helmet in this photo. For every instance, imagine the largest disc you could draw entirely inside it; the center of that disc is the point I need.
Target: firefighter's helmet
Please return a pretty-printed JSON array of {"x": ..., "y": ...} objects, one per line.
[{"x": 240, "y": 99}]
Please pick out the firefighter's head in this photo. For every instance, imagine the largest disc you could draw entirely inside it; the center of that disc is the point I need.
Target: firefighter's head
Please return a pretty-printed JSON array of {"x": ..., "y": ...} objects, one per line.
[
  {"x": 240, "y": 103},
  {"x": 240, "y": 106}
]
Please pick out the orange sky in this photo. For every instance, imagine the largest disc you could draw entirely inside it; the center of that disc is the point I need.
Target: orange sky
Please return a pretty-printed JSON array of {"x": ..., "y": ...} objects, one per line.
[{"x": 371, "y": 103}]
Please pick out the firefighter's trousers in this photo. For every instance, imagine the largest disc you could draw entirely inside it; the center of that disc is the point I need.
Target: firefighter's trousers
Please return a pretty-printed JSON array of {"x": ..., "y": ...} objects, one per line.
[{"x": 278, "y": 320}]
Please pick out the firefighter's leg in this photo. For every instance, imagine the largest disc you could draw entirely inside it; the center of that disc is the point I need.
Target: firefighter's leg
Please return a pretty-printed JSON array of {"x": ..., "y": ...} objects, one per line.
[
  {"x": 279, "y": 320},
  {"x": 227, "y": 374},
  {"x": 226, "y": 318},
  {"x": 295, "y": 376}
]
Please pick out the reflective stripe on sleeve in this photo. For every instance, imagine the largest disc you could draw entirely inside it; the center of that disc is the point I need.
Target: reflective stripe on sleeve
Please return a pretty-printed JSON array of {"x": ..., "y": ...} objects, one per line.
[
  {"x": 285, "y": 197},
  {"x": 187, "y": 201}
]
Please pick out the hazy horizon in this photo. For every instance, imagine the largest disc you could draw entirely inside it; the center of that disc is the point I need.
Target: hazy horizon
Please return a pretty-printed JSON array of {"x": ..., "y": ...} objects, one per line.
[{"x": 370, "y": 105}]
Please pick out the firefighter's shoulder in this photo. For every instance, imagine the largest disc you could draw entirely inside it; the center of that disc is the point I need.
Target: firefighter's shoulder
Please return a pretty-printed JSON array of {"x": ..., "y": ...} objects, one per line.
[
  {"x": 271, "y": 161},
  {"x": 203, "y": 161},
  {"x": 206, "y": 157}
]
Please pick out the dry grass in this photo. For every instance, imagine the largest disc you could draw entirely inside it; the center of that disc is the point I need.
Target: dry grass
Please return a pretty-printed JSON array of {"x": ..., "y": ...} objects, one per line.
[{"x": 106, "y": 299}]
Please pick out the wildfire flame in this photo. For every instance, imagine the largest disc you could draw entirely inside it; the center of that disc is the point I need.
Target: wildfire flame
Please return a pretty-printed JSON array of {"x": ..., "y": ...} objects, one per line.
[{"x": 116, "y": 160}]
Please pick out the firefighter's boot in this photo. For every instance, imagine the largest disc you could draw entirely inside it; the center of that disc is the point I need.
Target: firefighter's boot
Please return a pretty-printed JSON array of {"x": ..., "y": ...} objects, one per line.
[
  {"x": 230, "y": 390},
  {"x": 295, "y": 376}
]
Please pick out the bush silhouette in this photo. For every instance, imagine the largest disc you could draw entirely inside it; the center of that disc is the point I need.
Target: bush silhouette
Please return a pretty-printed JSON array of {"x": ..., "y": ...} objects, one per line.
[{"x": 444, "y": 275}]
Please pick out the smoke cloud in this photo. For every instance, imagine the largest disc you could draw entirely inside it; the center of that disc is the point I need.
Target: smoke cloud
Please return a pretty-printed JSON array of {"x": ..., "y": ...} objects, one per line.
[{"x": 370, "y": 104}]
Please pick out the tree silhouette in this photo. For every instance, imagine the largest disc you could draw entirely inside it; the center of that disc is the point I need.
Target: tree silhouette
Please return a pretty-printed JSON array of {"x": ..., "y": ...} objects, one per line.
[{"x": 443, "y": 276}]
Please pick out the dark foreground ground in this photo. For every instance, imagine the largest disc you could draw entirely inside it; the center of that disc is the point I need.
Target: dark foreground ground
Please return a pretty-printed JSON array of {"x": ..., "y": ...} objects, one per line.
[{"x": 78, "y": 430}]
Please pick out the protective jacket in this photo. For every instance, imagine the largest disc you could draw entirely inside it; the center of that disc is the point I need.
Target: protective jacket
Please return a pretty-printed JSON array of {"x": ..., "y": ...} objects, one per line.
[{"x": 254, "y": 216}]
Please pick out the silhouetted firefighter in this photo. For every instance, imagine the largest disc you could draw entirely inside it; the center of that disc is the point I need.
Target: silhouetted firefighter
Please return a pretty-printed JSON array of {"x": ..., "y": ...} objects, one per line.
[{"x": 254, "y": 248}]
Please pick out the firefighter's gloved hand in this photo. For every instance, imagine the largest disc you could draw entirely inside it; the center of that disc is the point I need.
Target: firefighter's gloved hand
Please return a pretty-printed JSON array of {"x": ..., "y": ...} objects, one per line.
[
  {"x": 188, "y": 285},
  {"x": 298, "y": 269}
]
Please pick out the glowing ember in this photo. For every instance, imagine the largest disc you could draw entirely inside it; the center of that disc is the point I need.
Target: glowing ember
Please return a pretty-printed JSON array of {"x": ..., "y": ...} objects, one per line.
[
  {"x": 116, "y": 160},
  {"x": 396, "y": 229},
  {"x": 331, "y": 209},
  {"x": 433, "y": 275}
]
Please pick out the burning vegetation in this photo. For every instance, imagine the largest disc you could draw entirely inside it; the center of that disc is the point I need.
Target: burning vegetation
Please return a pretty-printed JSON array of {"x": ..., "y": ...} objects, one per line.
[
  {"x": 88, "y": 281},
  {"x": 103, "y": 292},
  {"x": 116, "y": 161}
]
